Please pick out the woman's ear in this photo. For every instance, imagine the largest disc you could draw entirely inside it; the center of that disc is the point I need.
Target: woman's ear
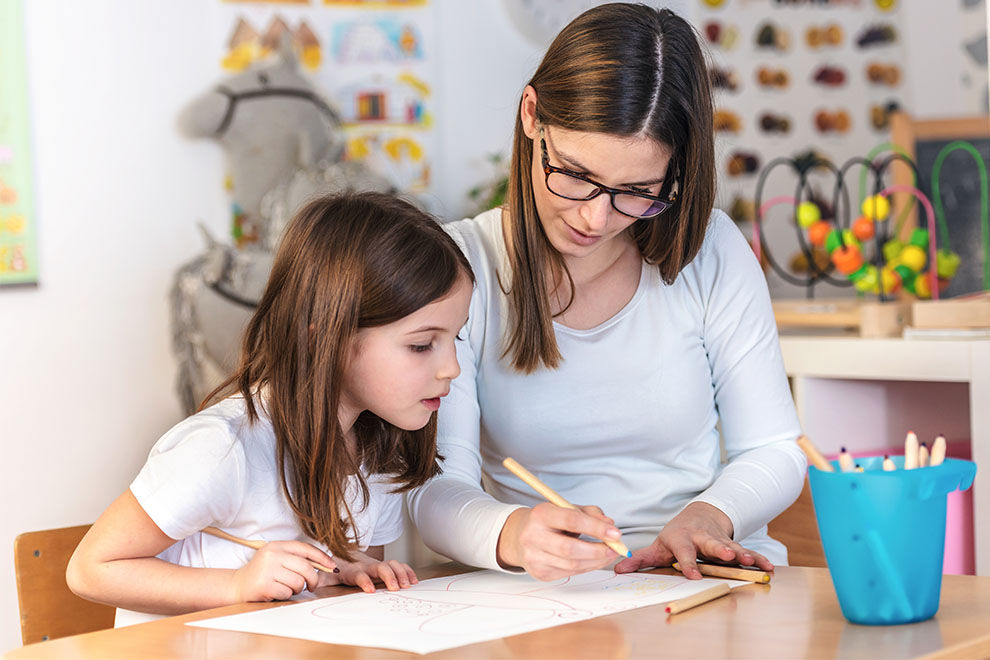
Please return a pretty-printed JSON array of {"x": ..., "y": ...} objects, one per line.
[{"x": 527, "y": 113}]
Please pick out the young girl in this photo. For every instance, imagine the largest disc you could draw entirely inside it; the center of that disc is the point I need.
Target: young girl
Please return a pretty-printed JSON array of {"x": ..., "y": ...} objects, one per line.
[{"x": 330, "y": 416}]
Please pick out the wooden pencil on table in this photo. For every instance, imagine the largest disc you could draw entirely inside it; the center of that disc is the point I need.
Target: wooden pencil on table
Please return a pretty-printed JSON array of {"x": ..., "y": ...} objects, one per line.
[
  {"x": 681, "y": 604},
  {"x": 731, "y": 572},
  {"x": 554, "y": 498},
  {"x": 256, "y": 545}
]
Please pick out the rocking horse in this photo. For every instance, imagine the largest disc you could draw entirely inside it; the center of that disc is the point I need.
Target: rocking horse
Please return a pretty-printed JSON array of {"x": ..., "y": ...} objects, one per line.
[{"x": 283, "y": 144}]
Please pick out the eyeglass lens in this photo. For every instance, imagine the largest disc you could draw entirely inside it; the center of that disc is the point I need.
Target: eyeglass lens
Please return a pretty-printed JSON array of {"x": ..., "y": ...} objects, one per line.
[{"x": 574, "y": 188}]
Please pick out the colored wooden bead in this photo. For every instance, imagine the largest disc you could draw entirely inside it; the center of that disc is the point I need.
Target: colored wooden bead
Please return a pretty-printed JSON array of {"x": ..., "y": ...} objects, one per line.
[
  {"x": 923, "y": 286},
  {"x": 847, "y": 259},
  {"x": 919, "y": 237},
  {"x": 832, "y": 241},
  {"x": 913, "y": 257},
  {"x": 876, "y": 207},
  {"x": 890, "y": 280},
  {"x": 818, "y": 232},
  {"x": 866, "y": 278},
  {"x": 891, "y": 249},
  {"x": 946, "y": 264},
  {"x": 863, "y": 228},
  {"x": 808, "y": 214}
]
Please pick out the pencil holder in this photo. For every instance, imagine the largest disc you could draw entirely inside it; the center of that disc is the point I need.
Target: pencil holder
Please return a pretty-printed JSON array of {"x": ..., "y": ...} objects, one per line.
[{"x": 884, "y": 535}]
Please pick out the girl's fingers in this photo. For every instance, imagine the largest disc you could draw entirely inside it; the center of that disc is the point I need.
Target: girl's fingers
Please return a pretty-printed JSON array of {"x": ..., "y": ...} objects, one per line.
[
  {"x": 363, "y": 581},
  {"x": 387, "y": 576},
  {"x": 302, "y": 567},
  {"x": 401, "y": 573}
]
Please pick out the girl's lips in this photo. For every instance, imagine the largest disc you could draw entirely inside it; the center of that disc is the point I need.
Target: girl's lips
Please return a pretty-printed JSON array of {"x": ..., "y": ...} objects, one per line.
[{"x": 432, "y": 404}]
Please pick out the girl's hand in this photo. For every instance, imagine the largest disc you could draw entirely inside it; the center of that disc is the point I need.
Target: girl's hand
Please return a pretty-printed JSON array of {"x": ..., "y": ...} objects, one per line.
[
  {"x": 698, "y": 530},
  {"x": 365, "y": 571},
  {"x": 543, "y": 540},
  {"x": 278, "y": 570}
]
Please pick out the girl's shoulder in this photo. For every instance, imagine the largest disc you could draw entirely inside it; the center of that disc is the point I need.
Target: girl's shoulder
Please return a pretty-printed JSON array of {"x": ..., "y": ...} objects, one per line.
[{"x": 216, "y": 431}]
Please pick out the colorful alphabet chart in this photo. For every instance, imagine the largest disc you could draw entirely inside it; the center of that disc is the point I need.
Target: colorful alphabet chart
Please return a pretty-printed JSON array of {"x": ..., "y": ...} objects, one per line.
[
  {"x": 18, "y": 249},
  {"x": 453, "y": 611}
]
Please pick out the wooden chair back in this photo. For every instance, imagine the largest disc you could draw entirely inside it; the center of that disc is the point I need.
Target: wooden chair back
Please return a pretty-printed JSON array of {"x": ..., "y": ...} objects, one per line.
[
  {"x": 48, "y": 608},
  {"x": 797, "y": 529}
]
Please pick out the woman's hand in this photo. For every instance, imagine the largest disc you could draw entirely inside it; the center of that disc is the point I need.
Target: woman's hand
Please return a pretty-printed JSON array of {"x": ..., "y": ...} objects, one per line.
[
  {"x": 699, "y": 530},
  {"x": 365, "y": 571},
  {"x": 278, "y": 570},
  {"x": 543, "y": 541}
]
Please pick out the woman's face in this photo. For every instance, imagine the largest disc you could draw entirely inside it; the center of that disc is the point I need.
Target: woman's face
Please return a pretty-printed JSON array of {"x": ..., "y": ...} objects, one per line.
[{"x": 579, "y": 229}]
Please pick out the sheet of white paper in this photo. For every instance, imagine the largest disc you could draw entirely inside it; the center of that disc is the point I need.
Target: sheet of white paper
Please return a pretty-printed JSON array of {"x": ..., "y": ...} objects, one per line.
[{"x": 444, "y": 613}]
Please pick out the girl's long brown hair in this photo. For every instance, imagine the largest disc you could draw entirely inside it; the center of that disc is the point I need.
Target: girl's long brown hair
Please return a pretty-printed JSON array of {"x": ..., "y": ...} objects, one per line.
[
  {"x": 626, "y": 70},
  {"x": 346, "y": 262}
]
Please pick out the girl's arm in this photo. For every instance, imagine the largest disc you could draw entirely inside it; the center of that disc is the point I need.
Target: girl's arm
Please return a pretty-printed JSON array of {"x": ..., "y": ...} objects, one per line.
[{"x": 116, "y": 564}]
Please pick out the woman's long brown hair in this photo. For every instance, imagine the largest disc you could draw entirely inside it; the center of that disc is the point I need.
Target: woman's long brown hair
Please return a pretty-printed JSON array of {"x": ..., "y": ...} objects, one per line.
[
  {"x": 626, "y": 70},
  {"x": 346, "y": 262}
]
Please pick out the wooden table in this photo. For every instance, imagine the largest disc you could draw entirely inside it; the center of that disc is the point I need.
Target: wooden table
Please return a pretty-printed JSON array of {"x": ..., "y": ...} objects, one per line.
[{"x": 795, "y": 616}]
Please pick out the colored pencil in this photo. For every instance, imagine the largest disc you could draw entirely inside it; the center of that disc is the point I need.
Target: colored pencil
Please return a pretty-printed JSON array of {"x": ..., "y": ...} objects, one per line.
[
  {"x": 923, "y": 455},
  {"x": 731, "y": 572},
  {"x": 938, "y": 450},
  {"x": 256, "y": 545},
  {"x": 554, "y": 498},
  {"x": 846, "y": 462},
  {"x": 681, "y": 604},
  {"x": 910, "y": 451},
  {"x": 814, "y": 456},
  {"x": 888, "y": 465}
]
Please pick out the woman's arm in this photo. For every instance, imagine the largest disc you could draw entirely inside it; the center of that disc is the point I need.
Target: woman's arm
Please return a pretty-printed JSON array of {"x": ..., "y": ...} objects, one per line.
[
  {"x": 766, "y": 469},
  {"x": 116, "y": 564}
]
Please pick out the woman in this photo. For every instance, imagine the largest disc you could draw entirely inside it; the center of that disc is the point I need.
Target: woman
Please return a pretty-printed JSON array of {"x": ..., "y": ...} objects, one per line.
[{"x": 618, "y": 321}]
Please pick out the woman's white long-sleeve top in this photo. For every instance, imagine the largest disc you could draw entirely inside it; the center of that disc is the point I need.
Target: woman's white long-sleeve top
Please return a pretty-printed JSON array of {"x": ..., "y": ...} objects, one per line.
[{"x": 630, "y": 420}]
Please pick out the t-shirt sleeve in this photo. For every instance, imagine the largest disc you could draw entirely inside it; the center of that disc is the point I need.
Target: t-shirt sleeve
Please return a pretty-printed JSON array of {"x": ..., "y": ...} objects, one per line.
[
  {"x": 389, "y": 525},
  {"x": 193, "y": 477},
  {"x": 766, "y": 469}
]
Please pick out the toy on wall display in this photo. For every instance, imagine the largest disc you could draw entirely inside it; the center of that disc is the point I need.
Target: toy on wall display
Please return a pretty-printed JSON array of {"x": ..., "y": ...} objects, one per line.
[
  {"x": 741, "y": 163},
  {"x": 876, "y": 35},
  {"x": 376, "y": 99},
  {"x": 829, "y": 75},
  {"x": 727, "y": 121},
  {"x": 880, "y": 114},
  {"x": 283, "y": 143},
  {"x": 385, "y": 39},
  {"x": 724, "y": 78},
  {"x": 879, "y": 73},
  {"x": 18, "y": 242},
  {"x": 817, "y": 36},
  {"x": 724, "y": 36},
  {"x": 774, "y": 123},
  {"x": 772, "y": 36},
  {"x": 772, "y": 77},
  {"x": 832, "y": 121},
  {"x": 865, "y": 253},
  {"x": 247, "y": 45}
]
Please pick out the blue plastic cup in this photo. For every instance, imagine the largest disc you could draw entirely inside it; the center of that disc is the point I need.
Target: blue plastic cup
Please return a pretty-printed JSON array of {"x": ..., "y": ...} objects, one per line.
[{"x": 884, "y": 536}]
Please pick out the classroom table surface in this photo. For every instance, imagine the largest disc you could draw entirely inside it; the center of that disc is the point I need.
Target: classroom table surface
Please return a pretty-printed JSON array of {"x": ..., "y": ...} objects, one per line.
[{"x": 795, "y": 616}]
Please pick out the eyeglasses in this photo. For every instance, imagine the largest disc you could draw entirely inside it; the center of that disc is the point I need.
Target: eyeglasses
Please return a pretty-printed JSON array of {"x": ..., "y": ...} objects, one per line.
[{"x": 574, "y": 186}]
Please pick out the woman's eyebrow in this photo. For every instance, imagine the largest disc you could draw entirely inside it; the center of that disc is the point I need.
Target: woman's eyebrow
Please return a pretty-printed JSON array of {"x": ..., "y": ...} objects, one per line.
[{"x": 573, "y": 163}]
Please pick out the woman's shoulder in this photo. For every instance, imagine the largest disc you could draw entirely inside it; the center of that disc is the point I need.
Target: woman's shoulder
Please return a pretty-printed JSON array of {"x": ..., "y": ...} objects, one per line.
[{"x": 723, "y": 241}]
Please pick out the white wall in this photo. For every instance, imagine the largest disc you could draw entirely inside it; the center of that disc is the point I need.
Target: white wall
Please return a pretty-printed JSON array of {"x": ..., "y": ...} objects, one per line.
[{"x": 88, "y": 373}]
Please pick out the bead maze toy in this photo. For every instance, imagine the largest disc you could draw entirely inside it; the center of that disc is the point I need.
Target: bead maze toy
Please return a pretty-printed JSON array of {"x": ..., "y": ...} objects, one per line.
[{"x": 889, "y": 264}]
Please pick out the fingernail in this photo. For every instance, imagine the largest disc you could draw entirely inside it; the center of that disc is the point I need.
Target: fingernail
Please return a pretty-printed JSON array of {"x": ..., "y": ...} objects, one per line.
[
  {"x": 336, "y": 570},
  {"x": 613, "y": 534}
]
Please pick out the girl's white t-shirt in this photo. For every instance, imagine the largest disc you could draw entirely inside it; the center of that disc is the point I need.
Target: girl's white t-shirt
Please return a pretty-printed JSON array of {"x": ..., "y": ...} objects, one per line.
[
  {"x": 216, "y": 469},
  {"x": 631, "y": 419}
]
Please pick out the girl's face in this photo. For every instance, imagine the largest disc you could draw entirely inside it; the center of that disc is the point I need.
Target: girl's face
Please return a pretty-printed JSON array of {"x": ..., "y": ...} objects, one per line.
[
  {"x": 578, "y": 229},
  {"x": 400, "y": 371}
]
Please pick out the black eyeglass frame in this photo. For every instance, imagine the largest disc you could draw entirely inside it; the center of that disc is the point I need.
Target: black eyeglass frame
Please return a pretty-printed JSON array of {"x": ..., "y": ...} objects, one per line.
[{"x": 549, "y": 169}]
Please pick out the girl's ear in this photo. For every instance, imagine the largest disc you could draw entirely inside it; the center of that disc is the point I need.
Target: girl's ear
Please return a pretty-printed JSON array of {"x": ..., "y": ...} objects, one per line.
[{"x": 527, "y": 113}]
